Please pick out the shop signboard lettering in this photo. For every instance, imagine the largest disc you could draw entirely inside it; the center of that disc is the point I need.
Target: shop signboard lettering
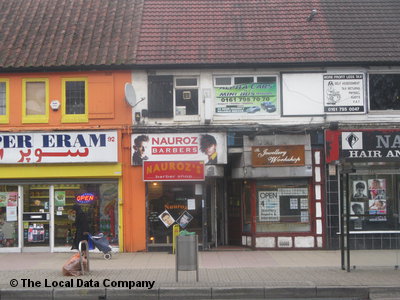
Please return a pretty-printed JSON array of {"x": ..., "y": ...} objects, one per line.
[
  {"x": 370, "y": 145},
  {"x": 59, "y": 147},
  {"x": 207, "y": 147},
  {"x": 344, "y": 93},
  {"x": 173, "y": 171},
  {"x": 250, "y": 99},
  {"x": 278, "y": 156}
]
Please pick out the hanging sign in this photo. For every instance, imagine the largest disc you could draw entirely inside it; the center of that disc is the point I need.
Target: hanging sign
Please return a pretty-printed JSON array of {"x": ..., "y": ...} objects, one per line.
[
  {"x": 59, "y": 147},
  {"x": 173, "y": 171},
  {"x": 278, "y": 156}
]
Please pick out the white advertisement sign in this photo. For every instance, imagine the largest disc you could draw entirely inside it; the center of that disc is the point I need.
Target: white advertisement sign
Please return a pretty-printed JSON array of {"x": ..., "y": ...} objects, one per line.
[
  {"x": 59, "y": 147},
  {"x": 344, "y": 93},
  {"x": 208, "y": 147},
  {"x": 269, "y": 210}
]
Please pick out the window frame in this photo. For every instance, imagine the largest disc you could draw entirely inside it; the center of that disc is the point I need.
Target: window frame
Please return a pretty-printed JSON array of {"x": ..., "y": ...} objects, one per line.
[
  {"x": 73, "y": 118},
  {"x": 35, "y": 118},
  {"x": 183, "y": 87},
  {"x": 232, "y": 77},
  {"x": 379, "y": 111},
  {"x": 5, "y": 118}
]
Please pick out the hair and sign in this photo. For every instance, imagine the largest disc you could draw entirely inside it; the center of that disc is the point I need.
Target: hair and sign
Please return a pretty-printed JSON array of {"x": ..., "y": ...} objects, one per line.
[
  {"x": 370, "y": 145},
  {"x": 344, "y": 93},
  {"x": 249, "y": 98},
  {"x": 59, "y": 147},
  {"x": 209, "y": 148},
  {"x": 278, "y": 156},
  {"x": 173, "y": 171}
]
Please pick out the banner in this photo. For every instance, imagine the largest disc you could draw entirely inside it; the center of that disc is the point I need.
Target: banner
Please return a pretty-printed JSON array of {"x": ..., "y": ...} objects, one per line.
[
  {"x": 250, "y": 98},
  {"x": 207, "y": 147}
]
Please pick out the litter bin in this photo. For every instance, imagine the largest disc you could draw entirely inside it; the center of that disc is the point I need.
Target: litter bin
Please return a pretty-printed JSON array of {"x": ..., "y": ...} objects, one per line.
[{"x": 187, "y": 254}]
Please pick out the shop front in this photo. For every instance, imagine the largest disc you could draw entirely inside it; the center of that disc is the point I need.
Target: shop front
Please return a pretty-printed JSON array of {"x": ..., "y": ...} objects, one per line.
[
  {"x": 181, "y": 172},
  {"x": 281, "y": 186},
  {"x": 364, "y": 172},
  {"x": 44, "y": 174}
]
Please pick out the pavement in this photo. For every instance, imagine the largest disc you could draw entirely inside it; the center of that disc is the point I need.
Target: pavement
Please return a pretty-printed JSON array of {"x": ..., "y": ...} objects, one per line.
[{"x": 278, "y": 274}]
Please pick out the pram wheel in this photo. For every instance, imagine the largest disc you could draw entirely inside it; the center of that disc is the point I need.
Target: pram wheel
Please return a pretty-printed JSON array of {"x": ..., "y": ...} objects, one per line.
[{"x": 107, "y": 255}]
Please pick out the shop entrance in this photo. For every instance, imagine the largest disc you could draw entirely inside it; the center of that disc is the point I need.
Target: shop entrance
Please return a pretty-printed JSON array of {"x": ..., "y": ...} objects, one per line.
[{"x": 36, "y": 218}]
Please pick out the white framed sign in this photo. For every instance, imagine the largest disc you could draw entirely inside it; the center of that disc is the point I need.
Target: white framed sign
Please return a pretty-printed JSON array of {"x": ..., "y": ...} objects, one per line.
[
  {"x": 344, "y": 93},
  {"x": 59, "y": 147}
]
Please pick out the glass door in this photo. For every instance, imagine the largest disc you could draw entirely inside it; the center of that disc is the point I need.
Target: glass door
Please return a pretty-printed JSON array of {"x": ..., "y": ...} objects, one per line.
[{"x": 36, "y": 216}]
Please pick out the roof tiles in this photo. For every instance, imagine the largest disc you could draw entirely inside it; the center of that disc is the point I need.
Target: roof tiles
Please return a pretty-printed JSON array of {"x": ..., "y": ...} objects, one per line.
[{"x": 92, "y": 33}]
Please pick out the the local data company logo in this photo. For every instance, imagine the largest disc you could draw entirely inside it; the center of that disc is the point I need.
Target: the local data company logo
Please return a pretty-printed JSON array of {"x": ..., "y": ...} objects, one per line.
[{"x": 352, "y": 140}]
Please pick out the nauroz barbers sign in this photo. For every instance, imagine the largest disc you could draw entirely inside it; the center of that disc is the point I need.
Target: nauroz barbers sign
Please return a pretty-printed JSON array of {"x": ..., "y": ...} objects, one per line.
[
  {"x": 278, "y": 156},
  {"x": 59, "y": 147},
  {"x": 370, "y": 145}
]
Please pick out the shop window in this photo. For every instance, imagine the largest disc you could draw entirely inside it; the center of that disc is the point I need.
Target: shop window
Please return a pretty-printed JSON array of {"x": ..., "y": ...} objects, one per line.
[
  {"x": 384, "y": 91},
  {"x": 283, "y": 208},
  {"x": 8, "y": 216},
  {"x": 172, "y": 204},
  {"x": 35, "y": 105},
  {"x": 166, "y": 94},
  {"x": 74, "y": 100},
  {"x": 4, "y": 101},
  {"x": 98, "y": 200},
  {"x": 373, "y": 202},
  {"x": 225, "y": 81}
]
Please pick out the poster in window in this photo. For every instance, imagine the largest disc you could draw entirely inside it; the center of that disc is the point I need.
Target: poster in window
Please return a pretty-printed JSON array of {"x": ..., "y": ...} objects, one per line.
[
  {"x": 377, "y": 188},
  {"x": 356, "y": 208},
  {"x": 184, "y": 219},
  {"x": 12, "y": 198},
  {"x": 304, "y": 216},
  {"x": 377, "y": 207},
  {"x": 166, "y": 218},
  {"x": 359, "y": 189},
  {"x": 269, "y": 210},
  {"x": 59, "y": 198},
  {"x": 294, "y": 203},
  {"x": 303, "y": 203},
  {"x": 11, "y": 213},
  {"x": 3, "y": 199}
]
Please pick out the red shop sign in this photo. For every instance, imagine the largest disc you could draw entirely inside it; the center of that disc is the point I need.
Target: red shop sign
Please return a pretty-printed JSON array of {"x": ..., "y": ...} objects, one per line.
[{"x": 173, "y": 170}]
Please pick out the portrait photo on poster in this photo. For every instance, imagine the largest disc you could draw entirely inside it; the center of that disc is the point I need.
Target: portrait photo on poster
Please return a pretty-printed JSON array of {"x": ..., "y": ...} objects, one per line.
[
  {"x": 166, "y": 218},
  {"x": 359, "y": 189},
  {"x": 139, "y": 150},
  {"x": 184, "y": 219},
  {"x": 356, "y": 208}
]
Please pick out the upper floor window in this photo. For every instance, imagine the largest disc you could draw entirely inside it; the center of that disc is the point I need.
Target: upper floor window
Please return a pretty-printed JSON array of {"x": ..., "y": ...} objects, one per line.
[
  {"x": 74, "y": 100},
  {"x": 186, "y": 96},
  {"x": 35, "y": 104},
  {"x": 169, "y": 96},
  {"x": 384, "y": 91},
  {"x": 247, "y": 95},
  {"x": 4, "y": 101}
]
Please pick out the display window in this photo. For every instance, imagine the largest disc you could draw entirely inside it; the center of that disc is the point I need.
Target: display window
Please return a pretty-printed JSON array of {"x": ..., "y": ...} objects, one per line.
[
  {"x": 373, "y": 202},
  {"x": 98, "y": 201},
  {"x": 173, "y": 203},
  {"x": 8, "y": 216},
  {"x": 283, "y": 206}
]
